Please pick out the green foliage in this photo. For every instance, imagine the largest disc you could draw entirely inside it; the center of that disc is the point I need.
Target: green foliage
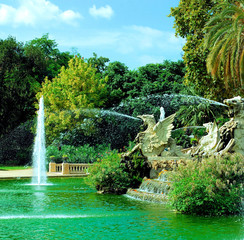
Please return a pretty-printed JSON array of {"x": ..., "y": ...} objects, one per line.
[
  {"x": 118, "y": 76},
  {"x": 161, "y": 78},
  {"x": 69, "y": 96},
  {"x": 98, "y": 62},
  {"x": 18, "y": 85},
  {"x": 190, "y": 19},
  {"x": 194, "y": 115},
  {"x": 45, "y": 54},
  {"x": 101, "y": 127},
  {"x": 108, "y": 175},
  {"x": 221, "y": 121},
  {"x": 150, "y": 104},
  {"x": 211, "y": 187},
  {"x": 225, "y": 37},
  {"x": 149, "y": 79},
  {"x": 199, "y": 111},
  {"x": 182, "y": 136},
  {"x": 22, "y": 70},
  {"x": 72, "y": 154},
  {"x": 16, "y": 146}
]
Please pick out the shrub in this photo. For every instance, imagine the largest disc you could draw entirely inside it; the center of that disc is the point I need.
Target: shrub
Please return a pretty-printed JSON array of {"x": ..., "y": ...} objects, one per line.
[
  {"x": 108, "y": 175},
  {"x": 16, "y": 146},
  {"x": 211, "y": 187},
  {"x": 182, "y": 136},
  {"x": 72, "y": 154},
  {"x": 112, "y": 175}
]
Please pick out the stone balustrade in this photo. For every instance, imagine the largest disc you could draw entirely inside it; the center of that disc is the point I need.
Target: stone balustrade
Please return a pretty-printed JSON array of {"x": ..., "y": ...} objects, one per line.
[{"x": 69, "y": 168}]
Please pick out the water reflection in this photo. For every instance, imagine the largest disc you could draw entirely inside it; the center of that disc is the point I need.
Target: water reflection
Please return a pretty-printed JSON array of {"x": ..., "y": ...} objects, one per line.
[{"x": 40, "y": 199}]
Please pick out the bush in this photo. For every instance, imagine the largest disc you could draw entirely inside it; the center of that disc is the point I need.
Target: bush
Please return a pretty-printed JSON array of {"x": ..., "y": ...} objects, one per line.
[
  {"x": 108, "y": 175},
  {"x": 16, "y": 146},
  {"x": 183, "y": 136},
  {"x": 111, "y": 174},
  {"x": 72, "y": 154},
  {"x": 211, "y": 187}
]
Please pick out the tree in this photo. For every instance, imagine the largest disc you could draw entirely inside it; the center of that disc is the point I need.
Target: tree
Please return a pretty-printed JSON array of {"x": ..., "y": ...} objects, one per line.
[
  {"x": 44, "y": 53},
  {"x": 161, "y": 78},
  {"x": 190, "y": 19},
  {"x": 18, "y": 85},
  {"x": 69, "y": 96},
  {"x": 225, "y": 38},
  {"x": 118, "y": 76},
  {"x": 98, "y": 63},
  {"x": 23, "y": 68}
]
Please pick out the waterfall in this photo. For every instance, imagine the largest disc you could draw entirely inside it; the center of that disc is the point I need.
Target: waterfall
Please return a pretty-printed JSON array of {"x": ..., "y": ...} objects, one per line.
[
  {"x": 39, "y": 152},
  {"x": 153, "y": 190}
]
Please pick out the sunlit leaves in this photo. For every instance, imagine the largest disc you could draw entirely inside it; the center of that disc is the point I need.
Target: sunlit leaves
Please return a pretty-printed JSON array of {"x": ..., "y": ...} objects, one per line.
[
  {"x": 225, "y": 38},
  {"x": 76, "y": 88},
  {"x": 190, "y": 19}
]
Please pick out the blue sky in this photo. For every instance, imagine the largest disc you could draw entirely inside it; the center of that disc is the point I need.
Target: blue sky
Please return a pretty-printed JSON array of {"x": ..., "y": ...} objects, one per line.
[{"x": 135, "y": 32}]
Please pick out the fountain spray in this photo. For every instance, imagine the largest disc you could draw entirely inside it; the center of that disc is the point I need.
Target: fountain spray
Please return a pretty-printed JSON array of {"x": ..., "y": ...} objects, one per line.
[{"x": 39, "y": 152}]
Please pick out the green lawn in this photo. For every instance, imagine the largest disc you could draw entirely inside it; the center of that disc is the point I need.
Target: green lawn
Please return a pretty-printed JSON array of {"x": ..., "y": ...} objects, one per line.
[{"x": 8, "y": 168}]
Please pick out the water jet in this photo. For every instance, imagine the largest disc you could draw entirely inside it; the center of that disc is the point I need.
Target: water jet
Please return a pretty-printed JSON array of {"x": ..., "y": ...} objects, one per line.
[{"x": 39, "y": 152}]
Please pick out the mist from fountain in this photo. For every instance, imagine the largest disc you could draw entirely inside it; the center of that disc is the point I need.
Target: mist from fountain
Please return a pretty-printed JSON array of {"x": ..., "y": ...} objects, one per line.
[
  {"x": 200, "y": 99},
  {"x": 39, "y": 152},
  {"x": 119, "y": 114},
  {"x": 188, "y": 127}
]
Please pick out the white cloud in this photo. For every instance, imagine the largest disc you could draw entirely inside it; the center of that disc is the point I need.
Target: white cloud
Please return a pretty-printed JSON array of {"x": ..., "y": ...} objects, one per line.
[
  {"x": 6, "y": 13},
  {"x": 104, "y": 12},
  {"x": 34, "y": 12},
  {"x": 128, "y": 40},
  {"x": 141, "y": 38},
  {"x": 69, "y": 16}
]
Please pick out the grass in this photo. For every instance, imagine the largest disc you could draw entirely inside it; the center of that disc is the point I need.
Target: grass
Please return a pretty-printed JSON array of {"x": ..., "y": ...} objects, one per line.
[{"x": 9, "y": 168}]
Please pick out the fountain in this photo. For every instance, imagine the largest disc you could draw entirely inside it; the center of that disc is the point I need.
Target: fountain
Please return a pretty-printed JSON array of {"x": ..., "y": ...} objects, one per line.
[
  {"x": 228, "y": 138},
  {"x": 162, "y": 154},
  {"x": 39, "y": 163},
  {"x": 155, "y": 190}
]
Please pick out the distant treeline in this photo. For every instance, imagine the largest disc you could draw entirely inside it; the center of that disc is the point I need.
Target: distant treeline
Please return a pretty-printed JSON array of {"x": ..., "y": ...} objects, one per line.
[{"x": 24, "y": 67}]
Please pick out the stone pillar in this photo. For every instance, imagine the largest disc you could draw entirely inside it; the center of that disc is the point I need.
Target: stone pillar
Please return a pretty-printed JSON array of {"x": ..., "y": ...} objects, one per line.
[
  {"x": 52, "y": 167},
  {"x": 65, "y": 168}
]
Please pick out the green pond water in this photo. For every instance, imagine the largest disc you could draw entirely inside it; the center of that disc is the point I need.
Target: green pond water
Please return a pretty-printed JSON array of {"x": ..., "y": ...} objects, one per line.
[{"x": 69, "y": 209}]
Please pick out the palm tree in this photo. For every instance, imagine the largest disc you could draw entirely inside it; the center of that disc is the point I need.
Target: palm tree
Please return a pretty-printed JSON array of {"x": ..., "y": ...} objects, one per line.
[{"x": 225, "y": 39}]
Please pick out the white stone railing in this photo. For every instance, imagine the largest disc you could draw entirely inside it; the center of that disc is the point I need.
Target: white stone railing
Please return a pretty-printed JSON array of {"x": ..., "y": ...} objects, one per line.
[{"x": 69, "y": 168}]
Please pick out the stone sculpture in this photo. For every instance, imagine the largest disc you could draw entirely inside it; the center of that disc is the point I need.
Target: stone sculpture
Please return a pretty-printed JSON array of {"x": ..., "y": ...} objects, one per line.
[
  {"x": 208, "y": 143},
  {"x": 236, "y": 106},
  {"x": 230, "y": 137},
  {"x": 155, "y": 140}
]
